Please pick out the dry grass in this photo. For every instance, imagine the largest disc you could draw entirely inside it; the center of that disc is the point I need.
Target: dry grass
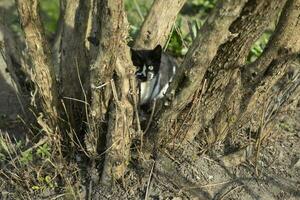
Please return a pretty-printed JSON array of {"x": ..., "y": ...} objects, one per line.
[{"x": 36, "y": 169}]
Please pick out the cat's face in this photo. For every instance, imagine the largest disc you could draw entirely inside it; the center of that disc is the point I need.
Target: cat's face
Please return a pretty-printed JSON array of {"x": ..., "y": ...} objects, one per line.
[{"x": 147, "y": 62}]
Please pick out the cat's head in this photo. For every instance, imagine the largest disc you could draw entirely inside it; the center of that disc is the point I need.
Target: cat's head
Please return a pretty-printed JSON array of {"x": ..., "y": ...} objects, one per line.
[{"x": 147, "y": 62}]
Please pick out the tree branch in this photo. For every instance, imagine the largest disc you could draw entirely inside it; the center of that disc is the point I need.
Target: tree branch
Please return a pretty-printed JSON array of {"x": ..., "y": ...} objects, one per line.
[
  {"x": 56, "y": 44},
  {"x": 11, "y": 55},
  {"x": 223, "y": 97},
  {"x": 213, "y": 33},
  {"x": 158, "y": 23},
  {"x": 257, "y": 103},
  {"x": 282, "y": 43}
]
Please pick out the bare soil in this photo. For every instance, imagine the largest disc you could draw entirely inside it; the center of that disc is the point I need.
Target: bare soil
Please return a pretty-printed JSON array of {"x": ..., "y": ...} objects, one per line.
[{"x": 188, "y": 174}]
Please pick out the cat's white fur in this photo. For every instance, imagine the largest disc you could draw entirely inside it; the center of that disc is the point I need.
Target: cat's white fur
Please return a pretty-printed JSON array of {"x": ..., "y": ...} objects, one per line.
[{"x": 152, "y": 89}]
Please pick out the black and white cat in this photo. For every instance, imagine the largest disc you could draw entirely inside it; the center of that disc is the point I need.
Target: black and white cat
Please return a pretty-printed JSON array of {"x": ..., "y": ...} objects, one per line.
[{"x": 155, "y": 70}]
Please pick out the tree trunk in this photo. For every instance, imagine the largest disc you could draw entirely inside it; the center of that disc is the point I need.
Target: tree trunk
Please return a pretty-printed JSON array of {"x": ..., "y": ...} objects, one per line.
[
  {"x": 113, "y": 58},
  {"x": 216, "y": 95},
  {"x": 73, "y": 62},
  {"x": 42, "y": 65},
  {"x": 220, "y": 102},
  {"x": 154, "y": 30}
]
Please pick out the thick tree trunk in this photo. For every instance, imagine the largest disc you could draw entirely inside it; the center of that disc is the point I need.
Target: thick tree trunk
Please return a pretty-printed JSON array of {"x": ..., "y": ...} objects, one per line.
[
  {"x": 42, "y": 66},
  {"x": 73, "y": 63},
  {"x": 220, "y": 103},
  {"x": 214, "y": 33},
  {"x": 113, "y": 58}
]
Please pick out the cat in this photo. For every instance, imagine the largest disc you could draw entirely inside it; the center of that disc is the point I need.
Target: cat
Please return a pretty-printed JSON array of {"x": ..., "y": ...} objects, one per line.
[{"x": 154, "y": 71}]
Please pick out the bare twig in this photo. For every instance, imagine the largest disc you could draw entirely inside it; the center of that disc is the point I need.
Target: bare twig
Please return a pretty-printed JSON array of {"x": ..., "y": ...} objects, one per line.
[{"x": 149, "y": 181}]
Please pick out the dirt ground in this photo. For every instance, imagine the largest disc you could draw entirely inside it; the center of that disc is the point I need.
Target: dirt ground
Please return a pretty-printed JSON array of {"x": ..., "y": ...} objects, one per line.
[
  {"x": 189, "y": 174},
  {"x": 276, "y": 174}
]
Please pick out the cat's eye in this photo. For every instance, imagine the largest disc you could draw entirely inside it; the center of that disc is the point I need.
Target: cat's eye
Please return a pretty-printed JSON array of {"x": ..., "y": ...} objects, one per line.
[{"x": 150, "y": 67}]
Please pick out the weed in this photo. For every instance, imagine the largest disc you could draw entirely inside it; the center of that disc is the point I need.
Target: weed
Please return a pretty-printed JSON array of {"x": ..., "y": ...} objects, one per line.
[{"x": 44, "y": 151}]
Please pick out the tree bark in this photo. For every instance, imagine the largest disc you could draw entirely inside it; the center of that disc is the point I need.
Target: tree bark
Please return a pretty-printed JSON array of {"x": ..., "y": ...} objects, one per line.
[
  {"x": 221, "y": 103},
  {"x": 113, "y": 58},
  {"x": 11, "y": 100},
  {"x": 213, "y": 33},
  {"x": 158, "y": 23},
  {"x": 287, "y": 48},
  {"x": 39, "y": 52},
  {"x": 223, "y": 97},
  {"x": 73, "y": 61},
  {"x": 10, "y": 54}
]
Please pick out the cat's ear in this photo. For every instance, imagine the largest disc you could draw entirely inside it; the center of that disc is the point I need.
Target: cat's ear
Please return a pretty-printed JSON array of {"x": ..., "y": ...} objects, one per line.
[
  {"x": 135, "y": 57},
  {"x": 156, "y": 53}
]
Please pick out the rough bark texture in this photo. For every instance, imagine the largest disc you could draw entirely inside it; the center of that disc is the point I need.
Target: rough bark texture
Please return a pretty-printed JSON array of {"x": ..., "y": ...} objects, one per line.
[
  {"x": 223, "y": 97},
  {"x": 158, "y": 23},
  {"x": 213, "y": 33},
  {"x": 284, "y": 38},
  {"x": 101, "y": 69},
  {"x": 73, "y": 60},
  {"x": 113, "y": 57},
  {"x": 287, "y": 48},
  {"x": 42, "y": 66},
  {"x": 120, "y": 128},
  {"x": 220, "y": 103}
]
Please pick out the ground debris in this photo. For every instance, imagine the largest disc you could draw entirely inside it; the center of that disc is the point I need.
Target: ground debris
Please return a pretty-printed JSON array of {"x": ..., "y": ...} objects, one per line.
[{"x": 238, "y": 157}]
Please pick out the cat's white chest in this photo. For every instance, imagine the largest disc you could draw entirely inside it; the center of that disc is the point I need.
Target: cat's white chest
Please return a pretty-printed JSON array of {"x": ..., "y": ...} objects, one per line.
[{"x": 147, "y": 90}]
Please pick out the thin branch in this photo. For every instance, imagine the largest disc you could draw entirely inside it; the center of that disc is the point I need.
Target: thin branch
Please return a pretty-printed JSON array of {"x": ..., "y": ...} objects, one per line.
[{"x": 56, "y": 44}]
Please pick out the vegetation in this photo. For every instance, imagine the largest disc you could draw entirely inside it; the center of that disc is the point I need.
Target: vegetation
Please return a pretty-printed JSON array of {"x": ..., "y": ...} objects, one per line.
[
  {"x": 194, "y": 15},
  {"x": 85, "y": 133}
]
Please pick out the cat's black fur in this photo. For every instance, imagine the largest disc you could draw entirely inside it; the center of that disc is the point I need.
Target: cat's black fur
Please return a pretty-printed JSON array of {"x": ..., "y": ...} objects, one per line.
[{"x": 155, "y": 70}]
